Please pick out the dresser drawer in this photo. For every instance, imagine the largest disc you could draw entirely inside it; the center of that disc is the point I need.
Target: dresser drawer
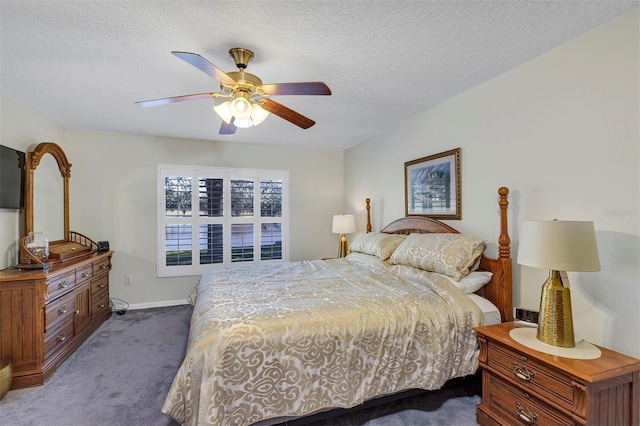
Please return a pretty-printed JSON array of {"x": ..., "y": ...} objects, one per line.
[
  {"x": 101, "y": 266},
  {"x": 59, "y": 310},
  {"x": 100, "y": 304},
  {"x": 534, "y": 377},
  {"x": 99, "y": 284},
  {"x": 520, "y": 407},
  {"x": 83, "y": 273},
  {"x": 60, "y": 284},
  {"x": 56, "y": 338}
]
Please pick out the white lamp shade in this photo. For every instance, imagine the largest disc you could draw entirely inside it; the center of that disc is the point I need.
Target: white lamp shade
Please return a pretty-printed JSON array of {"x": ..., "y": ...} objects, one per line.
[
  {"x": 243, "y": 124},
  {"x": 241, "y": 108},
  {"x": 258, "y": 114},
  {"x": 223, "y": 109},
  {"x": 344, "y": 224},
  {"x": 559, "y": 245}
]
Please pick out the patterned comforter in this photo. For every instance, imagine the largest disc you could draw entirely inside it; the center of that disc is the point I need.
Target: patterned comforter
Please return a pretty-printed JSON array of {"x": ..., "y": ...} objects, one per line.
[{"x": 289, "y": 339}]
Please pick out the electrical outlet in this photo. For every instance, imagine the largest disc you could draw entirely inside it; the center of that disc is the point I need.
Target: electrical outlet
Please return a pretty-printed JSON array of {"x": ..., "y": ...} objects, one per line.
[{"x": 128, "y": 280}]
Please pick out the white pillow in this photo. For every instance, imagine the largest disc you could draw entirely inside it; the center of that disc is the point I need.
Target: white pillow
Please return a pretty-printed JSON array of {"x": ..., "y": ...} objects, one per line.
[
  {"x": 377, "y": 244},
  {"x": 472, "y": 282}
]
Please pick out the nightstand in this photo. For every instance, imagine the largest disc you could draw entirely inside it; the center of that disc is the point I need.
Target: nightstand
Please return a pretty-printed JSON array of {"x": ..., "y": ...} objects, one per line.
[{"x": 524, "y": 386}]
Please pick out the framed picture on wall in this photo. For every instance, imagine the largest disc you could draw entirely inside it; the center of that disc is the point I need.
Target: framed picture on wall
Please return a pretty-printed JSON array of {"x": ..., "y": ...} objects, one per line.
[{"x": 432, "y": 186}]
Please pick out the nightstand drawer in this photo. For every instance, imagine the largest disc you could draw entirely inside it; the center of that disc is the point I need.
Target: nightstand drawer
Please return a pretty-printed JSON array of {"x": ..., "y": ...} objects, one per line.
[
  {"x": 532, "y": 376},
  {"x": 518, "y": 406}
]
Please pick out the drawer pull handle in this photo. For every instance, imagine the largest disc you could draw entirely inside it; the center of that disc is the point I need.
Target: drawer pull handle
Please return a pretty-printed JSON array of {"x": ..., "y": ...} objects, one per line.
[
  {"x": 85, "y": 274},
  {"x": 101, "y": 285},
  {"x": 525, "y": 414},
  {"x": 101, "y": 305},
  {"x": 523, "y": 372},
  {"x": 62, "y": 310},
  {"x": 63, "y": 284},
  {"x": 61, "y": 336},
  {"x": 103, "y": 266}
]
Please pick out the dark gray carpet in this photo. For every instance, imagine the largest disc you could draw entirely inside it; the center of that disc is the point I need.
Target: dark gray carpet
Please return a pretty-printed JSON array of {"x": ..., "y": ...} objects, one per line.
[{"x": 122, "y": 373}]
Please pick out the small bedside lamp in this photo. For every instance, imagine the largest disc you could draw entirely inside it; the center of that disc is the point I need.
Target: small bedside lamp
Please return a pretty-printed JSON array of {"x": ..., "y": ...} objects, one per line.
[
  {"x": 343, "y": 224},
  {"x": 558, "y": 246}
]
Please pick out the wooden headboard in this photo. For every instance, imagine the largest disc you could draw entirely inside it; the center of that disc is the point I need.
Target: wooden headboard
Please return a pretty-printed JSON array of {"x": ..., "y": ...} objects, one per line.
[{"x": 499, "y": 289}]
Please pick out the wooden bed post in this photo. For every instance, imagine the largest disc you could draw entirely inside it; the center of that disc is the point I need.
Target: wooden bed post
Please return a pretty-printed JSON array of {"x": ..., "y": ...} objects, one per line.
[
  {"x": 504, "y": 241},
  {"x": 501, "y": 292},
  {"x": 368, "y": 201}
]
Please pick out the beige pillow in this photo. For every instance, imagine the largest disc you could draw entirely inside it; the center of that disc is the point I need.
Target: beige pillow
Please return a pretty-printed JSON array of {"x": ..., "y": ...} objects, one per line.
[
  {"x": 448, "y": 254},
  {"x": 377, "y": 244}
]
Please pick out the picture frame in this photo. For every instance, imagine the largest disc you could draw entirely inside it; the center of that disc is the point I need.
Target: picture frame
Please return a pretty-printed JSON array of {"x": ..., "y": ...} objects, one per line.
[{"x": 432, "y": 186}]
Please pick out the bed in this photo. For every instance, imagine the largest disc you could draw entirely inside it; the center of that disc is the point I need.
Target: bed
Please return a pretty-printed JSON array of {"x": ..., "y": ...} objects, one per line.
[{"x": 278, "y": 341}]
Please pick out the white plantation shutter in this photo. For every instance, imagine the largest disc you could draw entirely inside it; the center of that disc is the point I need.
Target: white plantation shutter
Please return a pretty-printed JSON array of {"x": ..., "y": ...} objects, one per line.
[{"x": 240, "y": 216}]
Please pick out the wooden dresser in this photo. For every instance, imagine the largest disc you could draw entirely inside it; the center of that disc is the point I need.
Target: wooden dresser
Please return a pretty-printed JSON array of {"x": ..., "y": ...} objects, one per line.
[
  {"x": 45, "y": 316},
  {"x": 524, "y": 386}
]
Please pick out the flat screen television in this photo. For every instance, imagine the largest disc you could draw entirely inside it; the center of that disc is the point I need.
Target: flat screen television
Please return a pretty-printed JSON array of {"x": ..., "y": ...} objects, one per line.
[{"x": 12, "y": 178}]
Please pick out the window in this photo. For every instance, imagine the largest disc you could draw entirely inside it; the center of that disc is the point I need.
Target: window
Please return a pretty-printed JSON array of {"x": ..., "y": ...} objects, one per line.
[{"x": 209, "y": 217}]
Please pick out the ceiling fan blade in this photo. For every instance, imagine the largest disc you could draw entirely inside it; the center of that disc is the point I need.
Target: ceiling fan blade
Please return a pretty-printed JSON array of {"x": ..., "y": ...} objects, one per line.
[
  {"x": 227, "y": 129},
  {"x": 287, "y": 113},
  {"x": 205, "y": 66},
  {"x": 165, "y": 101},
  {"x": 308, "y": 88}
]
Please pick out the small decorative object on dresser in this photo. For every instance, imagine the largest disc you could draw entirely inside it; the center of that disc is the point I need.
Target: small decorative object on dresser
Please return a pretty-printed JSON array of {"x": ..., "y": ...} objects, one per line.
[
  {"x": 52, "y": 301},
  {"x": 523, "y": 386}
]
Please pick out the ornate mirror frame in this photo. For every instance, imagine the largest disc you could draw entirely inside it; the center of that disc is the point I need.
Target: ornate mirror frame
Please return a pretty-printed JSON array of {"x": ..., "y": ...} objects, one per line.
[
  {"x": 73, "y": 244},
  {"x": 33, "y": 160}
]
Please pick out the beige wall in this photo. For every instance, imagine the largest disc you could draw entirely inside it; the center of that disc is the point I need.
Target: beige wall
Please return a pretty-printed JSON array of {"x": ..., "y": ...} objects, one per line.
[{"x": 561, "y": 131}]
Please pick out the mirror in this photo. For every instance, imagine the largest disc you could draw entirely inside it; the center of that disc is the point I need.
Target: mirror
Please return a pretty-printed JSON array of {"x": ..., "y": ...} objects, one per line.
[
  {"x": 48, "y": 199},
  {"x": 47, "y": 192}
]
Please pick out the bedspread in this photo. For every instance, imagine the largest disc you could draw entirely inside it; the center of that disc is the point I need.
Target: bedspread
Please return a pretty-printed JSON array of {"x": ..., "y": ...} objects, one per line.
[{"x": 289, "y": 339}]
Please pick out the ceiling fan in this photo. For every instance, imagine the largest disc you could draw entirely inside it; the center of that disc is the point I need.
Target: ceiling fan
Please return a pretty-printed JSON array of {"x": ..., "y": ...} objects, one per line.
[{"x": 243, "y": 100}]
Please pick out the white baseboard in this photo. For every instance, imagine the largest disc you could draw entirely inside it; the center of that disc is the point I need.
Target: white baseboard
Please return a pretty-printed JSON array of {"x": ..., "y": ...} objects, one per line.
[{"x": 160, "y": 304}]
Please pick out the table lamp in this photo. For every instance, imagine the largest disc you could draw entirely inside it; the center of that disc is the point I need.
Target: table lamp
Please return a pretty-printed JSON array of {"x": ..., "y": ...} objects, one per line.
[
  {"x": 558, "y": 246},
  {"x": 343, "y": 224}
]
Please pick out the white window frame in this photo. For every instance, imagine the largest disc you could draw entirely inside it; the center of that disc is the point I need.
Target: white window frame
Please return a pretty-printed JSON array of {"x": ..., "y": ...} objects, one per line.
[{"x": 227, "y": 174}]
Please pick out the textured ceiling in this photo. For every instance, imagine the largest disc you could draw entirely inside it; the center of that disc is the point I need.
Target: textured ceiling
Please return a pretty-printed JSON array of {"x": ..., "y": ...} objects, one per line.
[{"x": 83, "y": 64}]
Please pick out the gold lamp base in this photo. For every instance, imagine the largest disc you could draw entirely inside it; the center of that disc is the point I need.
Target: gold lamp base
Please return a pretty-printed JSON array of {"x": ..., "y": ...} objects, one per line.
[
  {"x": 555, "y": 320},
  {"x": 344, "y": 246}
]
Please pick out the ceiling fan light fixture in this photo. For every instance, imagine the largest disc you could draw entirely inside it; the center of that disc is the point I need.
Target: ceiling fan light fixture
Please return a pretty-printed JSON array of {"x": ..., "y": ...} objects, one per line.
[
  {"x": 223, "y": 109},
  {"x": 258, "y": 114},
  {"x": 241, "y": 108},
  {"x": 244, "y": 93},
  {"x": 243, "y": 124}
]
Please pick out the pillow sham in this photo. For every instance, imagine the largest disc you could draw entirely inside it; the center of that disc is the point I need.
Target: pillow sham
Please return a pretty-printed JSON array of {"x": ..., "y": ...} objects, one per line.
[
  {"x": 448, "y": 254},
  {"x": 472, "y": 282},
  {"x": 377, "y": 244}
]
